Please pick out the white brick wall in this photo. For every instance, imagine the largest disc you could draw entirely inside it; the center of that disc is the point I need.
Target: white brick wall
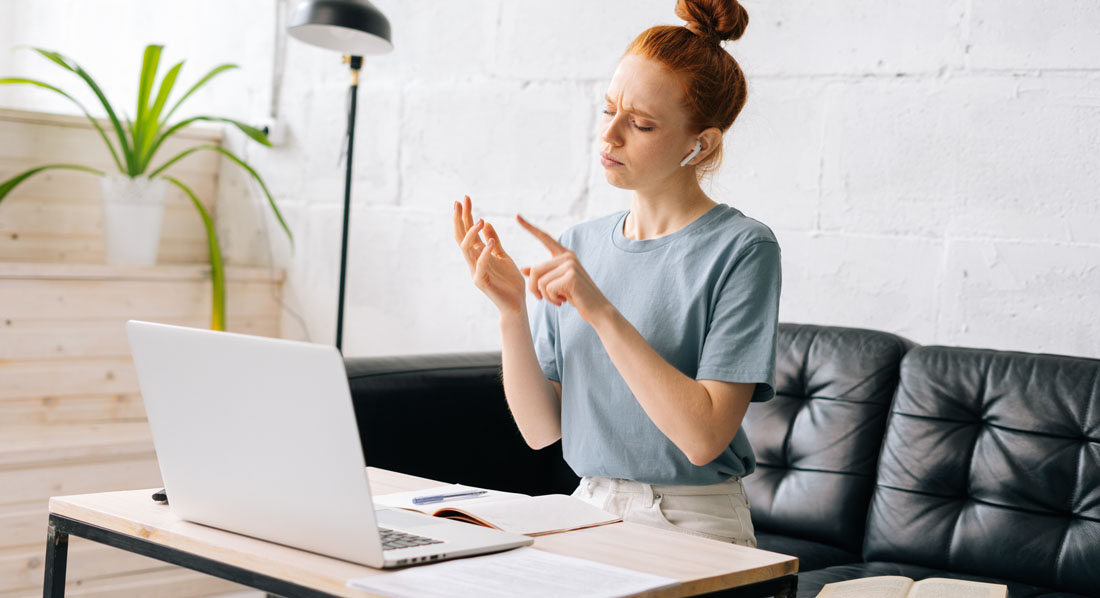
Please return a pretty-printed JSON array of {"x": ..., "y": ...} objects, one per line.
[
  {"x": 8, "y": 24},
  {"x": 931, "y": 168},
  {"x": 803, "y": 38},
  {"x": 1015, "y": 35}
]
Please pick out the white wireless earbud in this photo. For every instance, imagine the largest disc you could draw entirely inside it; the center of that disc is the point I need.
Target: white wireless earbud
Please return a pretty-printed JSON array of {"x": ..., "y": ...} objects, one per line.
[{"x": 694, "y": 152}]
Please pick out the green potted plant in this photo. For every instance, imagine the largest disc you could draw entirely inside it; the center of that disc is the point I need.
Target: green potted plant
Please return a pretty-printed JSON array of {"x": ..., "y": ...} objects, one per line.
[{"x": 134, "y": 198}]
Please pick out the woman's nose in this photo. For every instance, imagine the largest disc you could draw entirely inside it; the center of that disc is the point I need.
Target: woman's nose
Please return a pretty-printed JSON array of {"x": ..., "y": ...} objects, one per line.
[{"x": 610, "y": 133}]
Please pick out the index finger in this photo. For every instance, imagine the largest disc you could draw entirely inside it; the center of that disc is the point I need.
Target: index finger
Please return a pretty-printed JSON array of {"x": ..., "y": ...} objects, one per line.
[
  {"x": 550, "y": 243},
  {"x": 460, "y": 228}
]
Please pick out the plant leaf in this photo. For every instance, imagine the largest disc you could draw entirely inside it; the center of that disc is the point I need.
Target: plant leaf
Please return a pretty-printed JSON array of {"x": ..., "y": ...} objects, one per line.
[
  {"x": 10, "y": 184},
  {"x": 148, "y": 143},
  {"x": 217, "y": 268},
  {"x": 251, "y": 131},
  {"x": 256, "y": 134},
  {"x": 209, "y": 76},
  {"x": 127, "y": 153},
  {"x": 95, "y": 123},
  {"x": 243, "y": 165},
  {"x": 129, "y": 123},
  {"x": 149, "y": 64}
]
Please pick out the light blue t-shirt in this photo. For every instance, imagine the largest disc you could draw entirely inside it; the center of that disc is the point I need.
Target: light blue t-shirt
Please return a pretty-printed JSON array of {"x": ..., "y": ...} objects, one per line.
[{"x": 705, "y": 297}]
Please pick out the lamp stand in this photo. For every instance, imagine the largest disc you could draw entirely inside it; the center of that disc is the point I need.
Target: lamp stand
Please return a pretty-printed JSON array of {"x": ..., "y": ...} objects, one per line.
[{"x": 356, "y": 62}]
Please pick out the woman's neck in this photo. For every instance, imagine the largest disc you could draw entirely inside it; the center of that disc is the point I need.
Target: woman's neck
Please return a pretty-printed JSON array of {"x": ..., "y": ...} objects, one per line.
[{"x": 659, "y": 212}]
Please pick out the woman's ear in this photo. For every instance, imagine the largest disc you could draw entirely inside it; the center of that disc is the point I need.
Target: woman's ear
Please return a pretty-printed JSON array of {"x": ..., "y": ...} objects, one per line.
[{"x": 710, "y": 138}]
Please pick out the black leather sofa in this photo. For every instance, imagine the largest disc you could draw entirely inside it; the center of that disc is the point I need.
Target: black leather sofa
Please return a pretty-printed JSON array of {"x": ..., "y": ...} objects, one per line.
[{"x": 877, "y": 456}]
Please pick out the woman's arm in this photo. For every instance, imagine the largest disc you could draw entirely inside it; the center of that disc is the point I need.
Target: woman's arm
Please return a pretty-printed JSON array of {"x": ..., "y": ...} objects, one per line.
[
  {"x": 698, "y": 416},
  {"x": 534, "y": 400}
]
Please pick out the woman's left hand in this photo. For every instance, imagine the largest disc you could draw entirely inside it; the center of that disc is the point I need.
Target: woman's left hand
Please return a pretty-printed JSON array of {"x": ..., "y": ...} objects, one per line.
[{"x": 562, "y": 278}]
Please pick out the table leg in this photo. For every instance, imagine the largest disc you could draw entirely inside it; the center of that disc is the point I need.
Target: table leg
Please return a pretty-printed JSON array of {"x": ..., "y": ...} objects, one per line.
[
  {"x": 61, "y": 527},
  {"x": 57, "y": 553},
  {"x": 789, "y": 589}
]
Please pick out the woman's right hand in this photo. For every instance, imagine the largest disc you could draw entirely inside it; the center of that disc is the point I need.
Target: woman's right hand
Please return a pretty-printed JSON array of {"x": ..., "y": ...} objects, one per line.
[{"x": 491, "y": 267}]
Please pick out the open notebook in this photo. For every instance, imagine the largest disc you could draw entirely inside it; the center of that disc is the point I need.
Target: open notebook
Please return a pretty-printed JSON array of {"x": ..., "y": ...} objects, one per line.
[
  {"x": 507, "y": 511},
  {"x": 896, "y": 586}
]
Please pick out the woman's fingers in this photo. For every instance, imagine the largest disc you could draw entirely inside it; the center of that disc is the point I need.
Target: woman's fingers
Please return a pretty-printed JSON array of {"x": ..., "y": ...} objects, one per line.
[
  {"x": 473, "y": 237},
  {"x": 550, "y": 243},
  {"x": 460, "y": 228},
  {"x": 482, "y": 264},
  {"x": 534, "y": 273},
  {"x": 464, "y": 221},
  {"x": 467, "y": 212},
  {"x": 471, "y": 243},
  {"x": 546, "y": 280},
  {"x": 491, "y": 234}
]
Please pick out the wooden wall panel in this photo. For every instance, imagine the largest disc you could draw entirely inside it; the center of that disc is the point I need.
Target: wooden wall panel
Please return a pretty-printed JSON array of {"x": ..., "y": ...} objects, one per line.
[
  {"x": 71, "y": 415},
  {"x": 56, "y": 215}
]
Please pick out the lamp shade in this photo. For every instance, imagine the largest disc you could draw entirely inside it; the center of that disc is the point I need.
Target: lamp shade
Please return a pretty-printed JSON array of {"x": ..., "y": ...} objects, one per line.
[{"x": 353, "y": 27}]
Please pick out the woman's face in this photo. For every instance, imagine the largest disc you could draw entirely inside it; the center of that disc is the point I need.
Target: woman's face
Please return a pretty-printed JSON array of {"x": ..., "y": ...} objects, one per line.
[{"x": 644, "y": 131}]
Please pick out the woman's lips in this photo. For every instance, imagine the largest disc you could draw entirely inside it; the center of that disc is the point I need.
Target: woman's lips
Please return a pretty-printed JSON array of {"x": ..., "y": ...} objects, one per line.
[{"x": 608, "y": 161}]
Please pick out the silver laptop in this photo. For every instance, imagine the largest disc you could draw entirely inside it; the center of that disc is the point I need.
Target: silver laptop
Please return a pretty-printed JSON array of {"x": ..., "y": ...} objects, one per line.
[{"x": 258, "y": 436}]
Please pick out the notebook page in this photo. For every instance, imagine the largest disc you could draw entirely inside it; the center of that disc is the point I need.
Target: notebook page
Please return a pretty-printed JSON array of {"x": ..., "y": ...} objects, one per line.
[
  {"x": 536, "y": 515},
  {"x": 884, "y": 586},
  {"x": 935, "y": 587}
]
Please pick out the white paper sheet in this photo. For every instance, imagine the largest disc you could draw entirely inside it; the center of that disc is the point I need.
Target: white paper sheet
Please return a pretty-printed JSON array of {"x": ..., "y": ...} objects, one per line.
[{"x": 523, "y": 572}]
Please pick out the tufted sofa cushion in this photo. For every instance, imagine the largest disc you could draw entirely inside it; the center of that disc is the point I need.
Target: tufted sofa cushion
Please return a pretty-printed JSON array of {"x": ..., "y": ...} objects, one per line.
[
  {"x": 818, "y": 440},
  {"x": 991, "y": 466}
]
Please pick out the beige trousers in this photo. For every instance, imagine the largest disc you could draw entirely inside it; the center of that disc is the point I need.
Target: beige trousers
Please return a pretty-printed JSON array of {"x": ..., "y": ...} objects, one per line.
[{"x": 718, "y": 511}]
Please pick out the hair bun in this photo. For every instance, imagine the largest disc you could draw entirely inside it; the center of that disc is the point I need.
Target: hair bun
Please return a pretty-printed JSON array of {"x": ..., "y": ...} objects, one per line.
[{"x": 716, "y": 19}]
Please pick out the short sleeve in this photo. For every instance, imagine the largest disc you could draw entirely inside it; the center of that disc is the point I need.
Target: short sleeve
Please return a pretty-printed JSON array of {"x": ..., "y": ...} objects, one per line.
[
  {"x": 544, "y": 333},
  {"x": 741, "y": 339}
]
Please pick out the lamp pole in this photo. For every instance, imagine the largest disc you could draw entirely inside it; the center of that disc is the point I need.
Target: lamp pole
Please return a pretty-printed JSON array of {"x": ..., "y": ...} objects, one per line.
[
  {"x": 355, "y": 28},
  {"x": 355, "y": 62}
]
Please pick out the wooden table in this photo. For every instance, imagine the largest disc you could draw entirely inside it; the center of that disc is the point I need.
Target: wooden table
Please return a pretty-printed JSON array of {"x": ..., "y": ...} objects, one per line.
[{"x": 132, "y": 521}]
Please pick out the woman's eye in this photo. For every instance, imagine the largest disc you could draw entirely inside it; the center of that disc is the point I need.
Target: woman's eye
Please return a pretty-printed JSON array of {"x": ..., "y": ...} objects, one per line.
[{"x": 636, "y": 125}]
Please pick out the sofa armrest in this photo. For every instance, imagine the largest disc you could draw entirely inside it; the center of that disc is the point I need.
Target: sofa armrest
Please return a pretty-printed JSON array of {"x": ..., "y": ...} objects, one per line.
[{"x": 444, "y": 416}]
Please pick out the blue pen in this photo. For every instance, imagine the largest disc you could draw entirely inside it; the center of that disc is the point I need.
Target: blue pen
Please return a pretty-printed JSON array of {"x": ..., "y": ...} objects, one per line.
[{"x": 424, "y": 500}]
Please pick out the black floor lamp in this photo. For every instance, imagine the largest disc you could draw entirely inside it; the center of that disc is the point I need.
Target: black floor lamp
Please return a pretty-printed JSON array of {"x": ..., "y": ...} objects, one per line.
[{"x": 355, "y": 28}]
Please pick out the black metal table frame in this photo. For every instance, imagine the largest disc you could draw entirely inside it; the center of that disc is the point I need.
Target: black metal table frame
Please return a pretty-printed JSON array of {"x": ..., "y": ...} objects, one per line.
[{"x": 61, "y": 527}]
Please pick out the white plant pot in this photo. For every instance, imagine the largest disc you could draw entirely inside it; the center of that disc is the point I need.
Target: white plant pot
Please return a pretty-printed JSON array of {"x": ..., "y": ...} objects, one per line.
[{"x": 133, "y": 212}]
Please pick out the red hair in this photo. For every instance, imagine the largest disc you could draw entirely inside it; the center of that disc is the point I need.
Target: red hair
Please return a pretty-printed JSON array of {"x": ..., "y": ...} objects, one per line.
[{"x": 714, "y": 86}]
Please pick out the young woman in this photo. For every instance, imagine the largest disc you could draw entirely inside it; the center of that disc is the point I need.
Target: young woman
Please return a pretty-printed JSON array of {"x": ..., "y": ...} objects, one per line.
[{"x": 656, "y": 326}]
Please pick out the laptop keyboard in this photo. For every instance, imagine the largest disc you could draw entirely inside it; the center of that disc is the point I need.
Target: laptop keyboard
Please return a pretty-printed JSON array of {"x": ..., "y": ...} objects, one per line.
[{"x": 393, "y": 539}]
